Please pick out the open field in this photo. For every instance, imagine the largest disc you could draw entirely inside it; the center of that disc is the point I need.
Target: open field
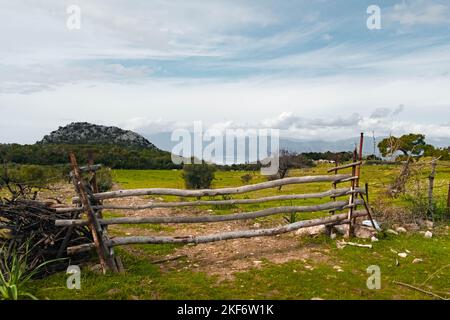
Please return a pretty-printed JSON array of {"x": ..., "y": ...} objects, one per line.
[{"x": 282, "y": 267}]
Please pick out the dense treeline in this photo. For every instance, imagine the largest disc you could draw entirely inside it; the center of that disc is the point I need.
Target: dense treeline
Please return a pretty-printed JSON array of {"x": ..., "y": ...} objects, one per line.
[
  {"x": 116, "y": 157},
  {"x": 119, "y": 157}
]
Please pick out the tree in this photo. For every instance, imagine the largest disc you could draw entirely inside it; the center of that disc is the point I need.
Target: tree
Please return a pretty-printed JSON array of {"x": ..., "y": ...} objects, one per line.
[
  {"x": 290, "y": 160},
  {"x": 198, "y": 176},
  {"x": 411, "y": 145}
]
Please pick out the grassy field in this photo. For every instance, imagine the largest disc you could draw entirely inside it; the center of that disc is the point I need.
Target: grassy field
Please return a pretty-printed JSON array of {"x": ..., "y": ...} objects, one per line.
[{"x": 296, "y": 279}]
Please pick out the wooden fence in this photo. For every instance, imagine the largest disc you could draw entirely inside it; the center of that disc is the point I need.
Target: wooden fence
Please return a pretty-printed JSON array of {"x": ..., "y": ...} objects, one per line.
[{"x": 90, "y": 202}]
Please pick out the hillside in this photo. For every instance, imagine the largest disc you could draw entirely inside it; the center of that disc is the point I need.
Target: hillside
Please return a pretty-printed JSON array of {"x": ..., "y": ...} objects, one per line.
[
  {"x": 111, "y": 146},
  {"x": 93, "y": 134}
]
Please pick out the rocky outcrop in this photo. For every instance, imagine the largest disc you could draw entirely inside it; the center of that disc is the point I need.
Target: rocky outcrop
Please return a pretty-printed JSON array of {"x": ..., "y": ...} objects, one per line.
[{"x": 88, "y": 133}]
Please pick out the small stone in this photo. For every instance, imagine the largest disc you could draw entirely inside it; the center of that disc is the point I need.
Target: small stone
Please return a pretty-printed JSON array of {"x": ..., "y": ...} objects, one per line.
[
  {"x": 333, "y": 236},
  {"x": 400, "y": 230},
  {"x": 256, "y": 225},
  {"x": 428, "y": 235},
  {"x": 310, "y": 231},
  {"x": 392, "y": 232},
  {"x": 113, "y": 292},
  {"x": 316, "y": 298},
  {"x": 429, "y": 224},
  {"x": 96, "y": 268},
  {"x": 417, "y": 260},
  {"x": 364, "y": 232},
  {"x": 338, "y": 269},
  {"x": 257, "y": 262},
  {"x": 402, "y": 254}
]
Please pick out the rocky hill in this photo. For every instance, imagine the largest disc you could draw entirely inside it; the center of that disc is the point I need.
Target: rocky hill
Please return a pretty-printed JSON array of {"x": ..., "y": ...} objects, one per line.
[{"x": 88, "y": 133}]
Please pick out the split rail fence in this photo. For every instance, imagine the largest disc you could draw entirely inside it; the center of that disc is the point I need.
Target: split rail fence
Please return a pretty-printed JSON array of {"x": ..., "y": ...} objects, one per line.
[{"x": 90, "y": 202}]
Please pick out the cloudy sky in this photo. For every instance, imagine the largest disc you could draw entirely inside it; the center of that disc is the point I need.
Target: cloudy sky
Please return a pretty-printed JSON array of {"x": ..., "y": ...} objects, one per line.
[{"x": 310, "y": 68}]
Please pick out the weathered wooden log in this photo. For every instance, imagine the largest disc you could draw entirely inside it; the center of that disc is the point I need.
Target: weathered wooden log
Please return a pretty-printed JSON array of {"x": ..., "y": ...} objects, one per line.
[
  {"x": 80, "y": 248},
  {"x": 216, "y": 192},
  {"x": 88, "y": 168},
  {"x": 330, "y": 193},
  {"x": 119, "y": 241},
  {"x": 106, "y": 259},
  {"x": 353, "y": 164},
  {"x": 351, "y": 178},
  {"x": 335, "y": 205},
  {"x": 233, "y": 234}
]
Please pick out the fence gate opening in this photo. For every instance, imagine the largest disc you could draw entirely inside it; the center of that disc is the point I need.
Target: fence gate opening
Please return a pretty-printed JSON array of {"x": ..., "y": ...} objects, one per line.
[{"x": 90, "y": 202}]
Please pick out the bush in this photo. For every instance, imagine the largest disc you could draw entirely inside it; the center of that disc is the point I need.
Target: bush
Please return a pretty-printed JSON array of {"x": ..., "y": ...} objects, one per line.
[
  {"x": 104, "y": 179},
  {"x": 198, "y": 176},
  {"x": 246, "y": 178}
]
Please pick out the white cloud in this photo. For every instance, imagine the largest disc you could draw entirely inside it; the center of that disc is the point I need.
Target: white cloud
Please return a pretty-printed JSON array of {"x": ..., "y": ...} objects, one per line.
[{"x": 419, "y": 12}]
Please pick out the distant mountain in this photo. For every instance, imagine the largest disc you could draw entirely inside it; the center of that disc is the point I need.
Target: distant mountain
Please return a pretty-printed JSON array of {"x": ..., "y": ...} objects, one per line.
[
  {"x": 162, "y": 141},
  {"x": 88, "y": 133}
]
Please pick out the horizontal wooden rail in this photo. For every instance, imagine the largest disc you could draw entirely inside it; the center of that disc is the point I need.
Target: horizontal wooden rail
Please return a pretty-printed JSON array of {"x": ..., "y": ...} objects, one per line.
[
  {"x": 334, "y": 193},
  {"x": 88, "y": 168},
  {"x": 351, "y": 178},
  {"x": 335, "y": 219},
  {"x": 335, "y": 205},
  {"x": 353, "y": 164},
  {"x": 216, "y": 192}
]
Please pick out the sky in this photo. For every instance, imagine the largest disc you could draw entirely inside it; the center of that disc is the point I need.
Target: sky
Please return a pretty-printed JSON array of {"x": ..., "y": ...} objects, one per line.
[{"x": 312, "y": 69}]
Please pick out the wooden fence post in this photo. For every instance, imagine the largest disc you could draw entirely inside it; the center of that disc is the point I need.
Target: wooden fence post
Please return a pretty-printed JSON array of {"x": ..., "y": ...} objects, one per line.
[
  {"x": 431, "y": 187},
  {"x": 106, "y": 258},
  {"x": 351, "y": 231}
]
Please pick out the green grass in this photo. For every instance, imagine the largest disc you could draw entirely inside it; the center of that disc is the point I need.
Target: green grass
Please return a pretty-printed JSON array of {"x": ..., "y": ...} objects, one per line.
[{"x": 291, "y": 280}]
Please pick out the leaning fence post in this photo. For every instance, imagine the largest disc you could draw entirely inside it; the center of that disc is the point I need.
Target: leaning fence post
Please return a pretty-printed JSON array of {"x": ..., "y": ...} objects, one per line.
[
  {"x": 106, "y": 259},
  {"x": 431, "y": 187}
]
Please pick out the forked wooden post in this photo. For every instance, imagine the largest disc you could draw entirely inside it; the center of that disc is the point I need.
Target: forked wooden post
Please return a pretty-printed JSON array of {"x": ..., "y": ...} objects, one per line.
[{"x": 106, "y": 258}]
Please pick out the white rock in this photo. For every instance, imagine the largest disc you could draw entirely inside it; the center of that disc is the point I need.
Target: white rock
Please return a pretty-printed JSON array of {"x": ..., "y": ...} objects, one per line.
[
  {"x": 417, "y": 260},
  {"x": 374, "y": 239},
  {"x": 392, "y": 231},
  {"x": 428, "y": 235},
  {"x": 400, "y": 230},
  {"x": 429, "y": 224},
  {"x": 310, "y": 230},
  {"x": 402, "y": 254},
  {"x": 333, "y": 236},
  {"x": 338, "y": 269}
]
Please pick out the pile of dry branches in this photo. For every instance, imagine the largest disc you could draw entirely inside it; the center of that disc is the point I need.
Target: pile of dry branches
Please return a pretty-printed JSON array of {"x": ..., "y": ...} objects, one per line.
[{"x": 28, "y": 225}]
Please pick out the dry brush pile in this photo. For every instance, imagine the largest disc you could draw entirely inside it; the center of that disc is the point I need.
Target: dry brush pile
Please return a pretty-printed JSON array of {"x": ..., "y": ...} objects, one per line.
[{"x": 28, "y": 228}]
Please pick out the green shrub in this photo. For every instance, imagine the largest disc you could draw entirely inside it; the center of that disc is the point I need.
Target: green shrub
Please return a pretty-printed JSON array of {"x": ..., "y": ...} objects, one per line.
[
  {"x": 198, "y": 176},
  {"x": 246, "y": 178},
  {"x": 104, "y": 179}
]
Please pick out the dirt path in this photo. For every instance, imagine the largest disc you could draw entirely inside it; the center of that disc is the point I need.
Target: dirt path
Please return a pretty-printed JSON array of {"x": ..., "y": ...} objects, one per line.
[{"x": 223, "y": 258}]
